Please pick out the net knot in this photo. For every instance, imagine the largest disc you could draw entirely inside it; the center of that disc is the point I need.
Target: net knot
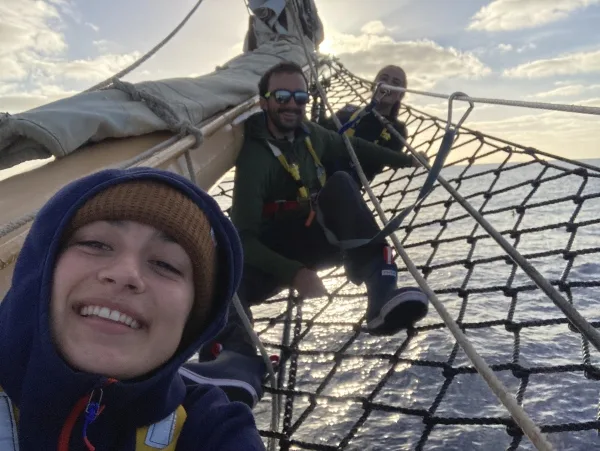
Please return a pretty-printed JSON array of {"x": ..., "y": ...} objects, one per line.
[
  {"x": 591, "y": 372},
  {"x": 513, "y": 430},
  {"x": 571, "y": 227},
  {"x": 519, "y": 371},
  {"x": 449, "y": 371},
  {"x": 511, "y": 326}
]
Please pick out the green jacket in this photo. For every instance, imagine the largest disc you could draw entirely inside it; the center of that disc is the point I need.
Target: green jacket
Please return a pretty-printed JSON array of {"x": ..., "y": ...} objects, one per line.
[{"x": 260, "y": 178}]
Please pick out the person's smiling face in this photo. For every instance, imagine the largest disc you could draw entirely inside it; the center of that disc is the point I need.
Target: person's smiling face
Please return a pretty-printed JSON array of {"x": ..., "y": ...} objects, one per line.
[
  {"x": 393, "y": 76},
  {"x": 285, "y": 116},
  {"x": 121, "y": 295}
]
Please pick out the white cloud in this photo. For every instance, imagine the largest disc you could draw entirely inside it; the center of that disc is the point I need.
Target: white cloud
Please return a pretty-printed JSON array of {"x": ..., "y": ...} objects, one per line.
[
  {"x": 11, "y": 69},
  {"x": 25, "y": 26},
  {"x": 568, "y": 64},
  {"x": 425, "y": 61},
  {"x": 374, "y": 27},
  {"x": 13, "y": 99},
  {"x": 565, "y": 91},
  {"x": 93, "y": 27},
  {"x": 503, "y": 15},
  {"x": 33, "y": 67},
  {"x": 25, "y": 32},
  {"x": 590, "y": 102},
  {"x": 89, "y": 71},
  {"x": 102, "y": 45},
  {"x": 551, "y": 132},
  {"x": 29, "y": 31},
  {"x": 7, "y": 88},
  {"x": 93, "y": 69},
  {"x": 502, "y": 48},
  {"x": 530, "y": 46}
]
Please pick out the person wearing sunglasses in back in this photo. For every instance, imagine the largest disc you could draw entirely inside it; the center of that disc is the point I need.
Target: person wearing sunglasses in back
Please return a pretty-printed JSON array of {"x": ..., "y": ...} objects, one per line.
[
  {"x": 291, "y": 218},
  {"x": 369, "y": 127}
]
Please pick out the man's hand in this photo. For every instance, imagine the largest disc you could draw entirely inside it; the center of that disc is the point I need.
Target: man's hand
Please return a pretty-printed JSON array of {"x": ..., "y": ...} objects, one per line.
[
  {"x": 416, "y": 163},
  {"x": 308, "y": 284}
]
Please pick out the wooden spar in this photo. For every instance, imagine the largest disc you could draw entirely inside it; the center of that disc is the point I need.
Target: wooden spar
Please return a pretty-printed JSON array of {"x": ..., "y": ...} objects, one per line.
[{"x": 223, "y": 137}]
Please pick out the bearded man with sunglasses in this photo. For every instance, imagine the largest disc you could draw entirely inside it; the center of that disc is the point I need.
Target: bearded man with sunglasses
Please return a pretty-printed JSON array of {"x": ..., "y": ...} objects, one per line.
[{"x": 293, "y": 220}]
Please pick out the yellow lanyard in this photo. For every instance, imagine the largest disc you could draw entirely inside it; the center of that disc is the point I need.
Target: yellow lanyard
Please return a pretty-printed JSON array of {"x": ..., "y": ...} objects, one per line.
[
  {"x": 294, "y": 170},
  {"x": 384, "y": 135}
]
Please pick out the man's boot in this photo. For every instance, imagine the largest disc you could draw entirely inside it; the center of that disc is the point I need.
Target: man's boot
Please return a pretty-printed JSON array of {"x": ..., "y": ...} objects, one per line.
[{"x": 391, "y": 309}]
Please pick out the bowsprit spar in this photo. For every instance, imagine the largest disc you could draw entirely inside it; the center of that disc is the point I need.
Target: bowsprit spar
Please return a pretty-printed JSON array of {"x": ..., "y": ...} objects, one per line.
[{"x": 500, "y": 246}]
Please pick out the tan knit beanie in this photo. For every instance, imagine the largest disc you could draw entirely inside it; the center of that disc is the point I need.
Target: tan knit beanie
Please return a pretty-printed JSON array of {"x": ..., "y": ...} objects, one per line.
[{"x": 169, "y": 210}]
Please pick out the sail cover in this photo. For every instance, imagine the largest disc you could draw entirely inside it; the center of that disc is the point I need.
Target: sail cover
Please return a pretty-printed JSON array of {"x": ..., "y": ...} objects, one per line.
[{"x": 123, "y": 110}]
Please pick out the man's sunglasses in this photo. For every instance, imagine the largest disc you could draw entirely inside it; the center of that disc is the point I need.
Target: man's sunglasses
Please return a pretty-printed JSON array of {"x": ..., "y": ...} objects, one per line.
[{"x": 284, "y": 96}]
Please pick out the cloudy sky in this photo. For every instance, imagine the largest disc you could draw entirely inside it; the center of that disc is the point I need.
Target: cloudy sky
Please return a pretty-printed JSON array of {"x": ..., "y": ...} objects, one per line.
[{"x": 542, "y": 50}]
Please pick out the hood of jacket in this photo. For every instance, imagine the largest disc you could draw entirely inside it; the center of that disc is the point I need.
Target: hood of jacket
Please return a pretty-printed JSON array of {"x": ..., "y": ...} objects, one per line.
[{"x": 37, "y": 380}]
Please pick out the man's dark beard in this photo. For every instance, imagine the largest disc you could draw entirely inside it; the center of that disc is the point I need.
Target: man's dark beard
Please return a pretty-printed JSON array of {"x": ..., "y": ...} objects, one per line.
[{"x": 284, "y": 128}]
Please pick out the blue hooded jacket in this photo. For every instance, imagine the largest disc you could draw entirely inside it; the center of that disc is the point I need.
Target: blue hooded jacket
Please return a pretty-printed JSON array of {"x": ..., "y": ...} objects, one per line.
[{"x": 46, "y": 390}]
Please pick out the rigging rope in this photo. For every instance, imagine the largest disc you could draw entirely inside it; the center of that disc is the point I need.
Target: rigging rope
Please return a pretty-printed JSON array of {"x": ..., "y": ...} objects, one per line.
[
  {"x": 450, "y": 371},
  {"x": 265, "y": 355},
  {"x": 25, "y": 219},
  {"x": 530, "y": 150},
  {"x": 331, "y": 355},
  {"x": 328, "y": 348},
  {"x": 520, "y": 416},
  {"x": 581, "y": 109},
  {"x": 570, "y": 312}
]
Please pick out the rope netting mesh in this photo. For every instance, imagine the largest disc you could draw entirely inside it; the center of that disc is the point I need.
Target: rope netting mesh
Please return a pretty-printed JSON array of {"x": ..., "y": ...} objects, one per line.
[{"x": 344, "y": 389}]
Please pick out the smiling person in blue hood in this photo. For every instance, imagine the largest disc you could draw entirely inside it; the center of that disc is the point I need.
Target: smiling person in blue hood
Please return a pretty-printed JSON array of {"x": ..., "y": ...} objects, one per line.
[{"x": 123, "y": 275}]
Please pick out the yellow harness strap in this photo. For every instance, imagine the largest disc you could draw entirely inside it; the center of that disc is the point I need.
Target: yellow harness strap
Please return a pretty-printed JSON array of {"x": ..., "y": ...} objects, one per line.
[
  {"x": 384, "y": 135},
  {"x": 294, "y": 170},
  {"x": 320, "y": 168},
  {"x": 162, "y": 435}
]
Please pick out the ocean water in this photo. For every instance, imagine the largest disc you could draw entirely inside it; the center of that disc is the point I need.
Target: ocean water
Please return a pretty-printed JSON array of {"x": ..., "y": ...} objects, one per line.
[{"x": 354, "y": 391}]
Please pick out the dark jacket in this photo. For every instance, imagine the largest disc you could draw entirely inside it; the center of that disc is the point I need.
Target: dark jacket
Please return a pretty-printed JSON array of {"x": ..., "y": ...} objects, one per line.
[
  {"x": 371, "y": 129},
  {"x": 48, "y": 392},
  {"x": 260, "y": 178}
]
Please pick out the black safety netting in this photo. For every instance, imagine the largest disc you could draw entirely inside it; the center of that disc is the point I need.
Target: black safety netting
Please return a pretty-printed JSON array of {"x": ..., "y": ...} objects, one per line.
[{"x": 344, "y": 389}]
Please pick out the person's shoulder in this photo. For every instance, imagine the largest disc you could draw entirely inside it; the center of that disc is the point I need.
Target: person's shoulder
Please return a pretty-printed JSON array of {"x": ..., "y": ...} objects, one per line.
[
  {"x": 318, "y": 132},
  {"x": 253, "y": 148},
  {"x": 346, "y": 112},
  {"x": 215, "y": 422},
  {"x": 255, "y": 128},
  {"x": 349, "y": 109},
  {"x": 311, "y": 128},
  {"x": 398, "y": 123},
  {"x": 400, "y": 126}
]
